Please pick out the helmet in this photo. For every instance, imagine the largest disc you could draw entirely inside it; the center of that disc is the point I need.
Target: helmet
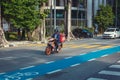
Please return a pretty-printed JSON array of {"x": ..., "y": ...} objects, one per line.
[{"x": 56, "y": 30}]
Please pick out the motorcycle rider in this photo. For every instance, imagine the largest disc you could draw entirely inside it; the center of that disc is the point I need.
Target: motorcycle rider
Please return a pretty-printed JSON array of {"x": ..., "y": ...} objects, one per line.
[{"x": 56, "y": 36}]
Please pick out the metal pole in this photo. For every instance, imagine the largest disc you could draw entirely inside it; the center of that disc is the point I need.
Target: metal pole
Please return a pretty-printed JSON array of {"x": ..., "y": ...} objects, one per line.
[{"x": 54, "y": 14}]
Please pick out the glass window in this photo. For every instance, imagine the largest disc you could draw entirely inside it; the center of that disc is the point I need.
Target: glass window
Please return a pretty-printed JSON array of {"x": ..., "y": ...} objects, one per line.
[
  {"x": 117, "y": 29},
  {"x": 57, "y": 2},
  {"x": 110, "y": 30}
]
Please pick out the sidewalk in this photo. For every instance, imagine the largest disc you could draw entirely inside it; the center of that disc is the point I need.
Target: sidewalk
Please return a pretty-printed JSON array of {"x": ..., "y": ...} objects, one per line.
[
  {"x": 23, "y": 43},
  {"x": 37, "y": 43},
  {"x": 30, "y": 43}
]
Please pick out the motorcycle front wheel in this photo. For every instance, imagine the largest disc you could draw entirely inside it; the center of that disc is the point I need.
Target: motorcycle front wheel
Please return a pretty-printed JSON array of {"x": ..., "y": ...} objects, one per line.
[{"x": 48, "y": 50}]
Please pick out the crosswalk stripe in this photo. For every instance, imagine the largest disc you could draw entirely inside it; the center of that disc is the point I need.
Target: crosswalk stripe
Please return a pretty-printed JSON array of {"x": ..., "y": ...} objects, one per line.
[
  {"x": 115, "y": 66},
  {"x": 114, "y": 73},
  {"x": 96, "y": 79}
]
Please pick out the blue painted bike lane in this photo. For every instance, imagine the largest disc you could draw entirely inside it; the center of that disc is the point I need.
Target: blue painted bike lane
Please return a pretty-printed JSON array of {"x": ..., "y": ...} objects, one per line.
[{"x": 39, "y": 70}]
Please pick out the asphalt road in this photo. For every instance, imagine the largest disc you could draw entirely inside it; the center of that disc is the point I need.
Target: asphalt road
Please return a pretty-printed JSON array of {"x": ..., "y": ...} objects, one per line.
[{"x": 15, "y": 58}]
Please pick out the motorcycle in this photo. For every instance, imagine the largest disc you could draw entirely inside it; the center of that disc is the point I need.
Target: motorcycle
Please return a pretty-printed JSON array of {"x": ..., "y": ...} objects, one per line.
[{"x": 51, "y": 46}]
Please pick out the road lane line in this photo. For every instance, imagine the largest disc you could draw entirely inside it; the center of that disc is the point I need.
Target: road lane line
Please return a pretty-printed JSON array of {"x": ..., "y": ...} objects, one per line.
[
  {"x": 30, "y": 79},
  {"x": 54, "y": 71},
  {"x": 115, "y": 66},
  {"x": 83, "y": 54},
  {"x": 104, "y": 47},
  {"x": 96, "y": 79},
  {"x": 49, "y": 62},
  {"x": 114, "y": 73},
  {"x": 96, "y": 51},
  {"x": 6, "y": 58},
  {"x": 92, "y": 59},
  {"x": 67, "y": 57},
  {"x": 75, "y": 65},
  {"x": 27, "y": 67},
  {"x": 43, "y": 69},
  {"x": 92, "y": 46},
  {"x": 104, "y": 55},
  {"x": 78, "y": 46},
  {"x": 2, "y": 73}
]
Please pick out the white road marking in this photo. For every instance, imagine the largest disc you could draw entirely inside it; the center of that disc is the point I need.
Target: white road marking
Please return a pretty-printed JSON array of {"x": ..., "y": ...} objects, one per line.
[
  {"x": 7, "y": 58},
  {"x": 54, "y": 71},
  {"x": 104, "y": 55},
  {"x": 96, "y": 79},
  {"x": 11, "y": 58},
  {"x": 67, "y": 57},
  {"x": 114, "y": 73},
  {"x": 83, "y": 54},
  {"x": 30, "y": 79},
  {"x": 91, "y": 59},
  {"x": 75, "y": 65},
  {"x": 2, "y": 73},
  {"x": 115, "y": 66},
  {"x": 49, "y": 62},
  {"x": 27, "y": 67},
  {"x": 96, "y": 51}
]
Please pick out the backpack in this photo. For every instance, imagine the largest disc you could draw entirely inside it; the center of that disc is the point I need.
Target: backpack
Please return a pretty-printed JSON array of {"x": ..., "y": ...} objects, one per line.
[{"x": 62, "y": 37}]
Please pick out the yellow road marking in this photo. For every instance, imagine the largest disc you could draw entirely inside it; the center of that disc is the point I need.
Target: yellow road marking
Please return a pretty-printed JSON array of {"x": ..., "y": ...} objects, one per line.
[
  {"x": 105, "y": 47},
  {"x": 74, "y": 45},
  {"x": 92, "y": 46},
  {"x": 78, "y": 46},
  {"x": 69, "y": 45}
]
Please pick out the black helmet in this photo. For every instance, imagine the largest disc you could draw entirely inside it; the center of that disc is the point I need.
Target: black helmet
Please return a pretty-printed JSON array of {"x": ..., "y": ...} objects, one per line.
[{"x": 56, "y": 30}]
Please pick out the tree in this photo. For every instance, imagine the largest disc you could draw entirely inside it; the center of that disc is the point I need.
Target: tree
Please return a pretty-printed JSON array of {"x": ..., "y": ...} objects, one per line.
[
  {"x": 65, "y": 16},
  {"x": 104, "y": 17},
  {"x": 69, "y": 20},
  {"x": 67, "y": 23},
  {"x": 23, "y": 14},
  {"x": 40, "y": 30},
  {"x": 3, "y": 41}
]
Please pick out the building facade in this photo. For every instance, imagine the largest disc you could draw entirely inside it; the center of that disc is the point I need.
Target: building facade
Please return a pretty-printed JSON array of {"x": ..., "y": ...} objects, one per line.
[{"x": 82, "y": 12}]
